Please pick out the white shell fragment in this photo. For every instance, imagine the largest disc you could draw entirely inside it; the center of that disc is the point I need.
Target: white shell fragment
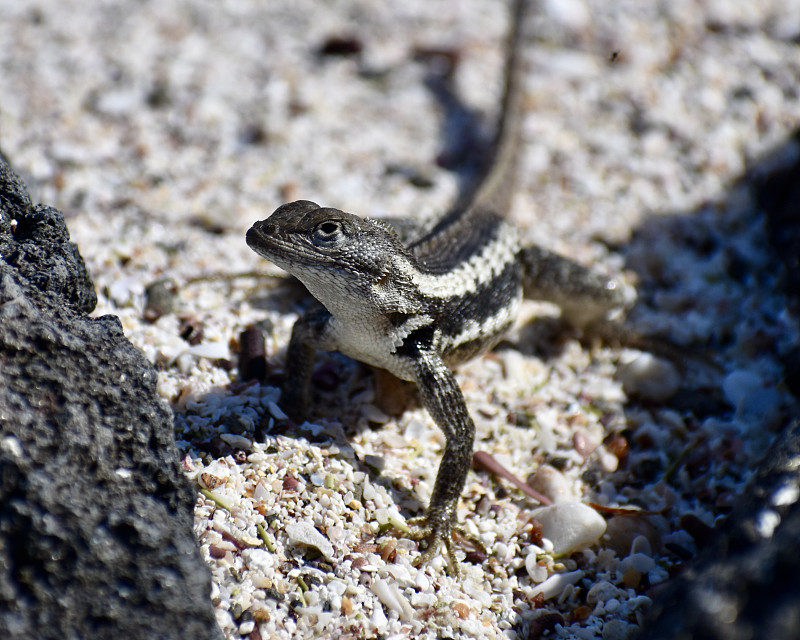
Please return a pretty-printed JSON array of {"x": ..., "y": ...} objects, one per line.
[
  {"x": 570, "y": 526},
  {"x": 210, "y": 350},
  {"x": 650, "y": 378},
  {"x": 258, "y": 559},
  {"x": 304, "y": 533},
  {"x": 392, "y": 598},
  {"x": 536, "y": 571},
  {"x": 749, "y": 393},
  {"x": 601, "y": 591},
  {"x": 555, "y": 584},
  {"x": 550, "y": 482}
]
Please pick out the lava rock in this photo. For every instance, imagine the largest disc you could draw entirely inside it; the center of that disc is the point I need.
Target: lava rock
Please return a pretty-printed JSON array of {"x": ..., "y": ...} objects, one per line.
[
  {"x": 95, "y": 516},
  {"x": 744, "y": 585}
]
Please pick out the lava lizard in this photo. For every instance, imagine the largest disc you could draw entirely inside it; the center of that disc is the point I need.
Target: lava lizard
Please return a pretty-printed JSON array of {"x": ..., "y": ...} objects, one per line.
[{"x": 417, "y": 308}]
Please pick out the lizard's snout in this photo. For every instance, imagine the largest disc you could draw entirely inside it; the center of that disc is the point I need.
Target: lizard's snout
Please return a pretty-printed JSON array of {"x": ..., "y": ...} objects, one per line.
[{"x": 259, "y": 232}]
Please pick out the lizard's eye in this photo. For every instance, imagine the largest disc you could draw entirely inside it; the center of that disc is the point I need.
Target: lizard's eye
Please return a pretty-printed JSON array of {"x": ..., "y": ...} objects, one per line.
[{"x": 328, "y": 232}]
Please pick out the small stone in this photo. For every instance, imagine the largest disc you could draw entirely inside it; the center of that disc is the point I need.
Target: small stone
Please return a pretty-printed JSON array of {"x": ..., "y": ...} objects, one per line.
[
  {"x": 608, "y": 461},
  {"x": 750, "y": 394},
  {"x": 374, "y": 414},
  {"x": 259, "y": 560},
  {"x": 317, "y": 479},
  {"x": 236, "y": 442},
  {"x": 261, "y": 492},
  {"x": 638, "y": 561},
  {"x": 536, "y": 571},
  {"x": 641, "y": 544},
  {"x": 347, "y": 606},
  {"x": 632, "y": 579},
  {"x": 261, "y": 615},
  {"x": 570, "y": 526},
  {"x": 378, "y": 620},
  {"x": 617, "y": 629},
  {"x": 260, "y": 581},
  {"x": 276, "y": 412},
  {"x": 601, "y": 592},
  {"x": 246, "y": 628},
  {"x": 583, "y": 443},
  {"x": 304, "y": 533},
  {"x": 216, "y": 551},
  {"x": 555, "y": 584},
  {"x": 550, "y": 482},
  {"x": 210, "y": 350},
  {"x": 376, "y": 463},
  {"x": 650, "y": 378},
  {"x": 621, "y": 531}
]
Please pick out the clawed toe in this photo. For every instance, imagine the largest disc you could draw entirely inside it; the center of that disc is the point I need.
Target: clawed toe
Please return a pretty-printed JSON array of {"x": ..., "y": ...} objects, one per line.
[{"x": 434, "y": 538}]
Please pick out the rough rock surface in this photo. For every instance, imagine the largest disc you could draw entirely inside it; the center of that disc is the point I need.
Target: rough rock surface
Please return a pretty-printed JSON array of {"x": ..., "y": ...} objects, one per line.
[
  {"x": 744, "y": 586},
  {"x": 95, "y": 517}
]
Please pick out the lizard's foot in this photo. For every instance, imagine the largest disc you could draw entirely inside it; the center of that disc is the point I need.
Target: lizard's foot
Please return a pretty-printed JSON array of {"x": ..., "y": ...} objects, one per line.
[{"x": 436, "y": 534}]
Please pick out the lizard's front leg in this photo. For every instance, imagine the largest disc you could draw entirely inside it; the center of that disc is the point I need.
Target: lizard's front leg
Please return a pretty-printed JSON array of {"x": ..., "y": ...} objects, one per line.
[
  {"x": 444, "y": 401},
  {"x": 309, "y": 333}
]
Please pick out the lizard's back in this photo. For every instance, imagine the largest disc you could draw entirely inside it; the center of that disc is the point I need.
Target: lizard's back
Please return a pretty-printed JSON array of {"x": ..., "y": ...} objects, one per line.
[{"x": 470, "y": 273}]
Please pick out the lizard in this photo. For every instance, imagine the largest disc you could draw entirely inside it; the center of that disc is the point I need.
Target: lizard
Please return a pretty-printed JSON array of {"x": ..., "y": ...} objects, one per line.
[{"x": 418, "y": 307}]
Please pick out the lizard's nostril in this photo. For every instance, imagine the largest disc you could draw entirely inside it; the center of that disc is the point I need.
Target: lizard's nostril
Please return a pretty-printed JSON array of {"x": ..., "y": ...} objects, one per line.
[{"x": 263, "y": 227}]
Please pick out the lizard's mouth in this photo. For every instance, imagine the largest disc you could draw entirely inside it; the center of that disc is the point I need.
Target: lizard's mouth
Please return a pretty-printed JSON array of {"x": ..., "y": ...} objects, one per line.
[
  {"x": 253, "y": 237},
  {"x": 260, "y": 238},
  {"x": 263, "y": 238}
]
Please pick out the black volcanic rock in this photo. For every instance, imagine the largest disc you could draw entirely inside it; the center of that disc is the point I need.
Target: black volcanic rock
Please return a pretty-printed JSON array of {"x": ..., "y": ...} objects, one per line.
[{"x": 95, "y": 516}]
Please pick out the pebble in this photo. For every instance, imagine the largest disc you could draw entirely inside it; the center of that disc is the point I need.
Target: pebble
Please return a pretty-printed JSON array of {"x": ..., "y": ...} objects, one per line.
[
  {"x": 374, "y": 414},
  {"x": 639, "y": 562},
  {"x": 536, "y": 571},
  {"x": 556, "y": 583},
  {"x": 650, "y": 378},
  {"x": 259, "y": 559},
  {"x": 618, "y": 630},
  {"x": 608, "y": 461},
  {"x": 275, "y": 411},
  {"x": 622, "y": 531},
  {"x": 570, "y": 526},
  {"x": 583, "y": 443},
  {"x": 236, "y": 442},
  {"x": 641, "y": 544},
  {"x": 749, "y": 393},
  {"x": 246, "y": 628},
  {"x": 601, "y": 592},
  {"x": 393, "y": 599},
  {"x": 304, "y": 533},
  {"x": 210, "y": 350},
  {"x": 378, "y": 619},
  {"x": 550, "y": 482}
]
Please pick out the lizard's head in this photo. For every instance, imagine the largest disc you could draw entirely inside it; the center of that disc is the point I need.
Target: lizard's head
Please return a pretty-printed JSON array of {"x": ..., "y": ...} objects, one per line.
[{"x": 308, "y": 241}]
